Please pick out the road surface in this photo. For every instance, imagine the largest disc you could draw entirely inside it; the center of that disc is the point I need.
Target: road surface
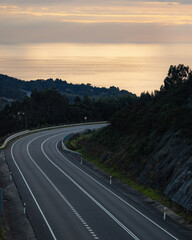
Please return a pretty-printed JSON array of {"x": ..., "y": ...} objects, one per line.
[{"x": 65, "y": 200}]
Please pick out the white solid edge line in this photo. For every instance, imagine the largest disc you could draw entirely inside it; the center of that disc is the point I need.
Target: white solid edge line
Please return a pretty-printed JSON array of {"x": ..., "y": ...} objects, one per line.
[
  {"x": 53, "y": 185},
  {"x": 111, "y": 191},
  {"x": 49, "y": 227},
  {"x": 88, "y": 195},
  {"x": 116, "y": 195},
  {"x": 51, "y": 231}
]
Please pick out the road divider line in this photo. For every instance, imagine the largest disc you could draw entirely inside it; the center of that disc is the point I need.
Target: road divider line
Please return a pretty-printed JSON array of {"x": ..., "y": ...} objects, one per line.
[
  {"x": 59, "y": 193},
  {"x": 88, "y": 195},
  {"x": 37, "y": 204},
  {"x": 25, "y": 181},
  {"x": 103, "y": 187},
  {"x": 150, "y": 220}
]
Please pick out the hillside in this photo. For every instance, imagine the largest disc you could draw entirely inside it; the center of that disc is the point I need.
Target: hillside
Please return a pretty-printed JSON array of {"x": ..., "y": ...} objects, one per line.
[
  {"x": 17, "y": 89},
  {"x": 151, "y": 140}
]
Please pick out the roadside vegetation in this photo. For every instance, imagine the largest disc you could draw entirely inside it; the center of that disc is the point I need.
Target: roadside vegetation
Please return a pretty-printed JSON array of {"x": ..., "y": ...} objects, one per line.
[
  {"x": 96, "y": 153},
  {"x": 148, "y": 144}
]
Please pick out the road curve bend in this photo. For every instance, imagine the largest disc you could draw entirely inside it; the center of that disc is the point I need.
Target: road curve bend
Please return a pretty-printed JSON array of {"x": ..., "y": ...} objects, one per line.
[{"x": 65, "y": 200}]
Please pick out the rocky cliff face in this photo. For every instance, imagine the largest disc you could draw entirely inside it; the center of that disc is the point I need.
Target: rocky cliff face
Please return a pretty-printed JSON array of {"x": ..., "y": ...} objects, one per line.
[{"x": 169, "y": 167}]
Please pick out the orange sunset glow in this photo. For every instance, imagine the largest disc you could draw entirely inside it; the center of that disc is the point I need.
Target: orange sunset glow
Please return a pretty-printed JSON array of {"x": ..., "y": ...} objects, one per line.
[
  {"x": 123, "y": 40},
  {"x": 168, "y": 18}
]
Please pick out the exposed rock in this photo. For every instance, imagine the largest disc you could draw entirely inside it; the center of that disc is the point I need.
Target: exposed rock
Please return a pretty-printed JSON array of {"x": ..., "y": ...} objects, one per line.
[
  {"x": 149, "y": 201},
  {"x": 170, "y": 167}
]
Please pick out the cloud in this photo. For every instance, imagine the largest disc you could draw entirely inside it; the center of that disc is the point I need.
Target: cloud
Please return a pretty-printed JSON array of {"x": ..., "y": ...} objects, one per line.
[
  {"x": 91, "y": 21},
  {"x": 89, "y": 2},
  {"x": 95, "y": 33},
  {"x": 164, "y": 15},
  {"x": 92, "y": 1}
]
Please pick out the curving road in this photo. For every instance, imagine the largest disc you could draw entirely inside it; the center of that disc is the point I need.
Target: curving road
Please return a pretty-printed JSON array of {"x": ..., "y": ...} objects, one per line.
[{"x": 66, "y": 200}]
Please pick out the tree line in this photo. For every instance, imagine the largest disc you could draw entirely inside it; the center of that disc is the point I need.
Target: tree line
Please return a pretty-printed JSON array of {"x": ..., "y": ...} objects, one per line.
[
  {"x": 48, "y": 107},
  {"x": 136, "y": 129},
  {"x": 168, "y": 108}
]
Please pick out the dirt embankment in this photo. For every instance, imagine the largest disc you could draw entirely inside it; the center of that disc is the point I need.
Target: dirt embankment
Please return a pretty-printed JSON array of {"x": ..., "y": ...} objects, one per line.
[{"x": 15, "y": 223}]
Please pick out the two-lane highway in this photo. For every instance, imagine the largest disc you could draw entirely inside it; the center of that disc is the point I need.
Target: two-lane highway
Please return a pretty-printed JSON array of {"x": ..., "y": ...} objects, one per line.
[{"x": 66, "y": 201}]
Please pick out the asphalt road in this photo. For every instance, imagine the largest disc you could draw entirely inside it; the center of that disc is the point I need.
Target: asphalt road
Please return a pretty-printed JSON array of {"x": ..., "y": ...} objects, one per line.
[{"x": 65, "y": 200}]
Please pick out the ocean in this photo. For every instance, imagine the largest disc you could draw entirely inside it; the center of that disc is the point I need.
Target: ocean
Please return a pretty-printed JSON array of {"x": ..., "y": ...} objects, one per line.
[{"x": 134, "y": 67}]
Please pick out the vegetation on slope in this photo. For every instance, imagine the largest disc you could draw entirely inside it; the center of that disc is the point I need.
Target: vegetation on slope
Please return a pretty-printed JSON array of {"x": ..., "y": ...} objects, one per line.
[
  {"x": 101, "y": 155},
  {"x": 151, "y": 140}
]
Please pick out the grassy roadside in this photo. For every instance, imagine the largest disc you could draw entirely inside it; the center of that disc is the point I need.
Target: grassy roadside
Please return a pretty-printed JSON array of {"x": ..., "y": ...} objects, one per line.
[
  {"x": 1, "y": 233},
  {"x": 79, "y": 143}
]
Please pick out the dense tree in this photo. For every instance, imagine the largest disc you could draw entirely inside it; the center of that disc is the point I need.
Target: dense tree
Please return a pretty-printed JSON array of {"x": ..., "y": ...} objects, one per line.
[
  {"x": 49, "y": 107},
  {"x": 77, "y": 100},
  {"x": 145, "y": 96},
  {"x": 168, "y": 108},
  {"x": 157, "y": 111},
  {"x": 176, "y": 75}
]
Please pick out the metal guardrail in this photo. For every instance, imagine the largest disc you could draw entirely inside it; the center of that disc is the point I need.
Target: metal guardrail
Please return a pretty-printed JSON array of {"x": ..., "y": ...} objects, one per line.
[
  {"x": 43, "y": 129},
  {"x": 13, "y": 136},
  {"x": 65, "y": 149}
]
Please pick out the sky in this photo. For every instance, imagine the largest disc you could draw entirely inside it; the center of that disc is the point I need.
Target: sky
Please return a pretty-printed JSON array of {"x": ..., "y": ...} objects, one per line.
[
  {"x": 91, "y": 21},
  {"x": 125, "y": 43}
]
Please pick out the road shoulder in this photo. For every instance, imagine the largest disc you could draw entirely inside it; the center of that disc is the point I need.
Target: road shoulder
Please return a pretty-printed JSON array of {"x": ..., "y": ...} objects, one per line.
[{"x": 15, "y": 223}]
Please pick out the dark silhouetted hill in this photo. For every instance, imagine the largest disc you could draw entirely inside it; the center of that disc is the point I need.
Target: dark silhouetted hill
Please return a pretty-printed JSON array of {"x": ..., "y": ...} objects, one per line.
[{"x": 17, "y": 89}]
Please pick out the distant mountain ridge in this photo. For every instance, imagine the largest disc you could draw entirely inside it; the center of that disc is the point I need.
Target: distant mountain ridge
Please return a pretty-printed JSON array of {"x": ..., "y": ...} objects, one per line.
[{"x": 17, "y": 89}]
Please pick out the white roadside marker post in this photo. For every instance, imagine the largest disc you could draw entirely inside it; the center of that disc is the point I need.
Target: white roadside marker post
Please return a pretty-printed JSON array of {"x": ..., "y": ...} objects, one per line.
[
  {"x": 164, "y": 213},
  {"x": 110, "y": 180},
  {"x": 81, "y": 161},
  {"x": 24, "y": 208},
  {"x": 10, "y": 176}
]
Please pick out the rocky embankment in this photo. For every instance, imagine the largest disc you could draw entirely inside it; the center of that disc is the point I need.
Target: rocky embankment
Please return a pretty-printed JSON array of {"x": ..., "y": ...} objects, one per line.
[{"x": 169, "y": 166}]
